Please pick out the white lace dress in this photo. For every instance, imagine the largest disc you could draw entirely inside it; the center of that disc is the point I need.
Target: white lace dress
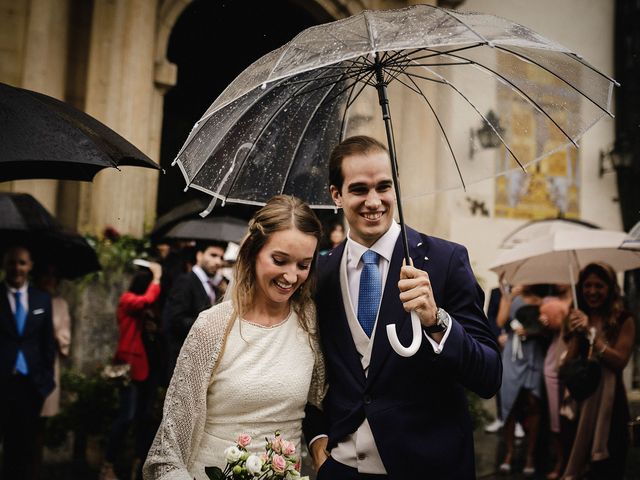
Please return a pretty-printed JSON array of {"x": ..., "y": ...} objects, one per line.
[
  {"x": 260, "y": 386},
  {"x": 234, "y": 377}
]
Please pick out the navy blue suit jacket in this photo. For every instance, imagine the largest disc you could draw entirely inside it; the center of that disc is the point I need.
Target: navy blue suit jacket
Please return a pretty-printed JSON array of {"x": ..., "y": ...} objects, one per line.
[
  {"x": 416, "y": 406},
  {"x": 186, "y": 300},
  {"x": 37, "y": 342}
]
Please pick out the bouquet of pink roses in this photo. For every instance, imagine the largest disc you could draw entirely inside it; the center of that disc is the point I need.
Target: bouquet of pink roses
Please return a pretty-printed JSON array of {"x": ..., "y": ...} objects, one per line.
[{"x": 279, "y": 461}]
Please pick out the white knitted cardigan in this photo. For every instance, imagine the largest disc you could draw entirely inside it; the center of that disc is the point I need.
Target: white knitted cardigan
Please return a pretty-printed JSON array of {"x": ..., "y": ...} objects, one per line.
[{"x": 176, "y": 443}]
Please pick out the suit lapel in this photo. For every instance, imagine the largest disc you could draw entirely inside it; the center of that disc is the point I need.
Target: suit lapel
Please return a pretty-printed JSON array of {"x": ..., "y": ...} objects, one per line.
[
  {"x": 33, "y": 305},
  {"x": 204, "y": 299},
  {"x": 391, "y": 309},
  {"x": 336, "y": 327}
]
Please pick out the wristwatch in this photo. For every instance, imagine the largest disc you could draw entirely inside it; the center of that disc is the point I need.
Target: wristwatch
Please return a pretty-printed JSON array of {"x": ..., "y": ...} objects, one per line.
[{"x": 442, "y": 322}]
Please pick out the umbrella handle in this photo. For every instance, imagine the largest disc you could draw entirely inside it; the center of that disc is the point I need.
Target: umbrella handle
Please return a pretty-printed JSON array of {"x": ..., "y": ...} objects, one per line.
[{"x": 415, "y": 343}]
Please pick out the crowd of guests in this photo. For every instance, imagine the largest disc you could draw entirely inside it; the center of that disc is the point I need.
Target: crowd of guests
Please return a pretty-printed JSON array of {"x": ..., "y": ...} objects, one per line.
[
  {"x": 314, "y": 314},
  {"x": 153, "y": 318},
  {"x": 540, "y": 331}
]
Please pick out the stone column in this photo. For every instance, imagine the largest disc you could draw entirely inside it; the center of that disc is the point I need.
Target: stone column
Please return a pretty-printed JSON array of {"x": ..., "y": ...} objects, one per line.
[
  {"x": 120, "y": 93},
  {"x": 44, "y": 69}
]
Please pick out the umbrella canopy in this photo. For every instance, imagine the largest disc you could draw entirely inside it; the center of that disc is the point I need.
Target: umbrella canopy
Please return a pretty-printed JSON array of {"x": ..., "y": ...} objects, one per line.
[
  {"x": 42, "y": 137},
  {"x": 20, "y": 212},
  {"x": 69, "y": 252},
  {"x": 24, "y": 221},
  {"x": 559, "y": 257},
  {"x": 191, "y": 210},
  {"x": 227, "y": 229},
  {"x": 272, "y": 129},
  {"x": 540, "y": 228}
]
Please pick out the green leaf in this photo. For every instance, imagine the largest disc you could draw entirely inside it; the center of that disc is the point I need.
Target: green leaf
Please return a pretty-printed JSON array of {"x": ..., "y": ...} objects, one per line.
[{"x": 214, "y": 473}]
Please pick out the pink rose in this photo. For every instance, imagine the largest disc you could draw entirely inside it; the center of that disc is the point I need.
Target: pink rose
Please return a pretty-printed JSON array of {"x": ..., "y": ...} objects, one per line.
[
  {"x": 244, "y": 440},
  {"x": 276, "y": 444},
  {"x": 278, "y": 463},
  {"x": 288, "y": 448},
  {"x": 298, "y": 465}
]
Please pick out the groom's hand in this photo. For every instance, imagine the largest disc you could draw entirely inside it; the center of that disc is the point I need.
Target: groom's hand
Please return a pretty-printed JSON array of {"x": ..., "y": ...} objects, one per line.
[
  {"x": 416, "y": 294},
  {"x": 319, "y": 453}
]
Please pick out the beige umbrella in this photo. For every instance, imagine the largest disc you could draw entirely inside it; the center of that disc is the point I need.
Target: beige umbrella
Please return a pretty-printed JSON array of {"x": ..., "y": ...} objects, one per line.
[
  {"x": 559, "y": 257},
  {"x": 539, "y": 228}
]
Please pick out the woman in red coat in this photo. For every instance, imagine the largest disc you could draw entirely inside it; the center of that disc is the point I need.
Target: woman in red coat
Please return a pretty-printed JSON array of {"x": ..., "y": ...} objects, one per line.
[{"x": 136, "y": 320}]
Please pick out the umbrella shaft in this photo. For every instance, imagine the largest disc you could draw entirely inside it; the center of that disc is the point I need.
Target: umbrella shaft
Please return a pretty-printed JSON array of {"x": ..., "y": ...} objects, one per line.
[{"x": 381, "y": 86}]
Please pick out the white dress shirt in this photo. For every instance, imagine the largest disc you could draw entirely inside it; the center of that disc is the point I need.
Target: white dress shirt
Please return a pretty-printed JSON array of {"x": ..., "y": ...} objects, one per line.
[{"x": 24, "y": 299}]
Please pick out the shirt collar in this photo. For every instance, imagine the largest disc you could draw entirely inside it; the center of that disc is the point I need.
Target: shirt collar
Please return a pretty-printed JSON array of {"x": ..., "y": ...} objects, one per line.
[
  {"x": 22, "y": 289},
  {"x": 383, "y": 246},
  {"x": 200, "y": 273}
]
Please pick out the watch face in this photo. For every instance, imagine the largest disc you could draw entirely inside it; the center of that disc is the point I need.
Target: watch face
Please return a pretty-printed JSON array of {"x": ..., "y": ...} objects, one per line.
[{"x": 442, "y": 322}]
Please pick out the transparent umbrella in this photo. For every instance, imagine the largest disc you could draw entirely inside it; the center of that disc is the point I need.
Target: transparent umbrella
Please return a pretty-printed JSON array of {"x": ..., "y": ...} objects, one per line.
[{"x": 272, "y": 129}]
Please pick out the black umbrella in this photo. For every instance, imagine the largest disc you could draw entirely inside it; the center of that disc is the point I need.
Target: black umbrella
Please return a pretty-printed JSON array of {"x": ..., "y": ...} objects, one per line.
[
  {"x": 20, "y": 212},
  {"x": 188, "y": 209},
  {"x": 224, "y": 228},
  {"x": 24, "y": 221},
  {"x": 191, "y": 210},
  {"x": 43, "y": 137}
]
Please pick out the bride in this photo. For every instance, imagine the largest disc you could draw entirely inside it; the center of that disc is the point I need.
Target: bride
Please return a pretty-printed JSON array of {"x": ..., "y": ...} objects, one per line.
[{"x": 251, "y": 364}]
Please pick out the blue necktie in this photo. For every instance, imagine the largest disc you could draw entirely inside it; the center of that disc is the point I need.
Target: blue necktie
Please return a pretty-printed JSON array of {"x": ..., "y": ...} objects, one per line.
[
  {"x": 21, "y": 319},
  {"x": 370, "y": 291}
]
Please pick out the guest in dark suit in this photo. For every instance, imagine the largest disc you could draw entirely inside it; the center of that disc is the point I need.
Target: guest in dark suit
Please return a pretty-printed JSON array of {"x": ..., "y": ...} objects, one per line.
[
  {"x": 27, "y": 353},
  {"x": 386, "y": 416},
  {"x": 190, "y": 294}
]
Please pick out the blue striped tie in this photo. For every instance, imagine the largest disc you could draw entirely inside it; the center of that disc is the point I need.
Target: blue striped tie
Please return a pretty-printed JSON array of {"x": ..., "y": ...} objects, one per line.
[
  {"x": 370, "y": 291},
  {"x": 21, "y": 320}
]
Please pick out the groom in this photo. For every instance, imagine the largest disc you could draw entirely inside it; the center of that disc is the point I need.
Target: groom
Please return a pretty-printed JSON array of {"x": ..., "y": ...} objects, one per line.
[{"x": 387, "y": 416}]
